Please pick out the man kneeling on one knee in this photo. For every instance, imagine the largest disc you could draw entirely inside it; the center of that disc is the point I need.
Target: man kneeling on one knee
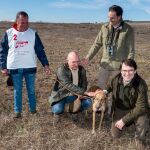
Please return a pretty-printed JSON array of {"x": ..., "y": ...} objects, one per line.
[
  {"x": 71, "y": 81},
  {"x": 130, "y": 100}
]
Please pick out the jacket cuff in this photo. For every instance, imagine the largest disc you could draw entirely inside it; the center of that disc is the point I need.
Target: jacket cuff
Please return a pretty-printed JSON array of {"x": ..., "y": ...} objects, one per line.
[
  {"x": 3, "y": 67},
  {"x": 125, "y": 120}
]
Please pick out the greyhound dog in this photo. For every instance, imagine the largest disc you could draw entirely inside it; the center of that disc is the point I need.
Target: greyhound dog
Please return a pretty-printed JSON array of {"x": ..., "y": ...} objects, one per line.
[{"x": 99, "y": 104}]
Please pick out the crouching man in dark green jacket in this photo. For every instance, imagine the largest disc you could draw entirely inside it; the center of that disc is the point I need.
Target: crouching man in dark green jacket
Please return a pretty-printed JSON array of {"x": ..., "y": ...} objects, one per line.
[
  {"x": 130, "y": 101},
  {"x": 71, "y": 83}
]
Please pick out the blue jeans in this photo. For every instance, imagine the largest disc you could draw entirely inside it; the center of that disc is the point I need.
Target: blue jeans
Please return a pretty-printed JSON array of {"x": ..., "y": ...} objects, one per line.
[
  {"x": 30, "y": 85},
  {"x": 58, "y": 107}
]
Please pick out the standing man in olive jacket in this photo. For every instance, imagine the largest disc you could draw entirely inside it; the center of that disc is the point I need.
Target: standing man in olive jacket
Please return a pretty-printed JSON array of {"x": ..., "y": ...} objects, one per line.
[
  {"x": 130, "y": 101},
  {"x": 116, "y": 40},
  {"x": 71, "y": 81}
]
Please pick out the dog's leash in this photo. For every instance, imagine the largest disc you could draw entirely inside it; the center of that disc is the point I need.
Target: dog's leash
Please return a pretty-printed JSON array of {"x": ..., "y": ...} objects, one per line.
[
  {"x": 79, "y": 97},
  {"x": 57, "y": 80}
]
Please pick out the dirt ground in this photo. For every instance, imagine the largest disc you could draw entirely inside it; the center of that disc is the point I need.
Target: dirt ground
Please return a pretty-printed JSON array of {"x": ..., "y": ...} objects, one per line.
[{"x": 37, "y": 132}]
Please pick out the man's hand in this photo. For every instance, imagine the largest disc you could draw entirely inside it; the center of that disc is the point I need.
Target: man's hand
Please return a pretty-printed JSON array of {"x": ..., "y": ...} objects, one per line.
[
  {"x": 98, "y": 90},
  {"x": 4, "y": 72},
  {"x": 91, "y": 94},
  {"x": 85, "y": 61},
  {"x": 119, "y": 124},
  {"x": 47, "y": 70}
]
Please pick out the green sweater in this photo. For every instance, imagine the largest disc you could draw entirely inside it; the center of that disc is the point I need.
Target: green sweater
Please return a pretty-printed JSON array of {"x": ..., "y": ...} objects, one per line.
[
  {"x": 132, "y": 97},
  {"x": 122, "y": 41}
]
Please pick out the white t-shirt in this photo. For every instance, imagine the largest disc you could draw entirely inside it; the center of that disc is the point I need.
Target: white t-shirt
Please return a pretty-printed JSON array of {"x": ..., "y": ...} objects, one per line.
[
  {"x": 75, "y": 77},
  {"x": 21, "y": 53}
]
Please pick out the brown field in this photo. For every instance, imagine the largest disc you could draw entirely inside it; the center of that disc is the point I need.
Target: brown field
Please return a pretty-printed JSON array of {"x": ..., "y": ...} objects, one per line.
[{"x": 36, "y": 132}]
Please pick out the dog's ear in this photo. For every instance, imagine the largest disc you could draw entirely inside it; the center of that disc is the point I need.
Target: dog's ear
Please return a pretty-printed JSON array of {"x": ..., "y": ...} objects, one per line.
[
  {"x": 93, "y": 88},
  {"x": 9, "y": 81}
]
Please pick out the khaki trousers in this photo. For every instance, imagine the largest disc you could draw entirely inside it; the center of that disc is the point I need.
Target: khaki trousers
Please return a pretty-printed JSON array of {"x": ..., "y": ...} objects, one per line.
[
  {"x": 141, "y": 125},
  {"x": 105, "y": 76}
]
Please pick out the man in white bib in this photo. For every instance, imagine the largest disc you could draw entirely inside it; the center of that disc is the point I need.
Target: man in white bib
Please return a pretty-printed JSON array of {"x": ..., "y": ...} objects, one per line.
[{"x": 19, "y": 48}]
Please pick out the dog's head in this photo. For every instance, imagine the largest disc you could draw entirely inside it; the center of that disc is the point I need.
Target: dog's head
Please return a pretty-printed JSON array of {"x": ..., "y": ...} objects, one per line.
[
  {"x": 94, "y": 88},
  {"x": 99, "y": 101}
]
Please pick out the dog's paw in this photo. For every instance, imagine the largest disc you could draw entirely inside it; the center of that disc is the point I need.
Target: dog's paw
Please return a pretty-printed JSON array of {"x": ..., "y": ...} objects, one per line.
[{"x": 93, "y": 132}]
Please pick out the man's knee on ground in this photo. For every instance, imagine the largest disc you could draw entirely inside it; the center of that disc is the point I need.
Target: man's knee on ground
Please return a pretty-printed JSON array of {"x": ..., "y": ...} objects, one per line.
[
  {"x": 86, "y": 103},
  {"x": 142, "y": 127},
  {"x": 56, "y": 109},
  {"x": 115, "y": 132}
]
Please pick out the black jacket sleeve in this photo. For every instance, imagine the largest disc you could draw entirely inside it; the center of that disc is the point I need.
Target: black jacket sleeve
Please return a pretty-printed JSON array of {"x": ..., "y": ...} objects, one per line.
[{"x": 4, "y": 51}]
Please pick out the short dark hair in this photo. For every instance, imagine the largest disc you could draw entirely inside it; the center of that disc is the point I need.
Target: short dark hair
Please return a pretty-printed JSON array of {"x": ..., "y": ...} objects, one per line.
[
  {"x": 22, "y": 13},
  {"x": 117, "y": 9},
  {"x": 129, "y": 62}
]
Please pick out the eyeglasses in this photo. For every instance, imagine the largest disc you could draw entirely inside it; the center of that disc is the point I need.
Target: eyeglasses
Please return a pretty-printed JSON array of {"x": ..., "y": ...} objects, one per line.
[{"x": 127, "y": 71}]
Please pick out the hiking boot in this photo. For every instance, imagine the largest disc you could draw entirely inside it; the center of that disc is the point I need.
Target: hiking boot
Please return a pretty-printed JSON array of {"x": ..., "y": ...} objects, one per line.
[{"x": 17, "y": 115}]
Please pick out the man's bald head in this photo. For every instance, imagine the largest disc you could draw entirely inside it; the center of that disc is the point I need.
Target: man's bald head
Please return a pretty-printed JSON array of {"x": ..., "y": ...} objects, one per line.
[
  {"x": 73, "y": 60},
  {"x": 72, "y": 55}
]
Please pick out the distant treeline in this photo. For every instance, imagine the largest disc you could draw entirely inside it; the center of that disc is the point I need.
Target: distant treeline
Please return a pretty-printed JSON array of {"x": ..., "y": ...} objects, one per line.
[
  {"x": 137, "y": 21},
  {"x": 77, "y": 23}
]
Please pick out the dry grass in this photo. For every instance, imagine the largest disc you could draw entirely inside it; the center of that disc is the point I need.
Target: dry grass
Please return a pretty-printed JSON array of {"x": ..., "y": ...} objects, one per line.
[{"x": 37, "y": 132}]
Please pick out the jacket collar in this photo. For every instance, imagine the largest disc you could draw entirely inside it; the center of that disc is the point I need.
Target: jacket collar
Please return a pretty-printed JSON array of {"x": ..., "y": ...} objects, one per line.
[
  {"x": 15, "y": 26},
  {"x": 67, "y": 67},
  {"x": 120, "y": 25}
]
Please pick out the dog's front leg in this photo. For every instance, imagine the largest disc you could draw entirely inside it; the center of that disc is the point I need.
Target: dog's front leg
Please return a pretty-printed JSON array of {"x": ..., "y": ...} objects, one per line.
[
  {"x": 93, "y": 130},
  {"x": 101, "y": 119}
]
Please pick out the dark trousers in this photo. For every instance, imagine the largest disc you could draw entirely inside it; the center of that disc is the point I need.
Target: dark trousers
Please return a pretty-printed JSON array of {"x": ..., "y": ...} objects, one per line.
[{"x": 141, "y": 124}]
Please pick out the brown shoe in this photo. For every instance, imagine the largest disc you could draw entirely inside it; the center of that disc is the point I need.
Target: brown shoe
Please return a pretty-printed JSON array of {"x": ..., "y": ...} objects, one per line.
[
  {"x": 75, "y": 117},
  {"x": 139, "y": 144}
]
